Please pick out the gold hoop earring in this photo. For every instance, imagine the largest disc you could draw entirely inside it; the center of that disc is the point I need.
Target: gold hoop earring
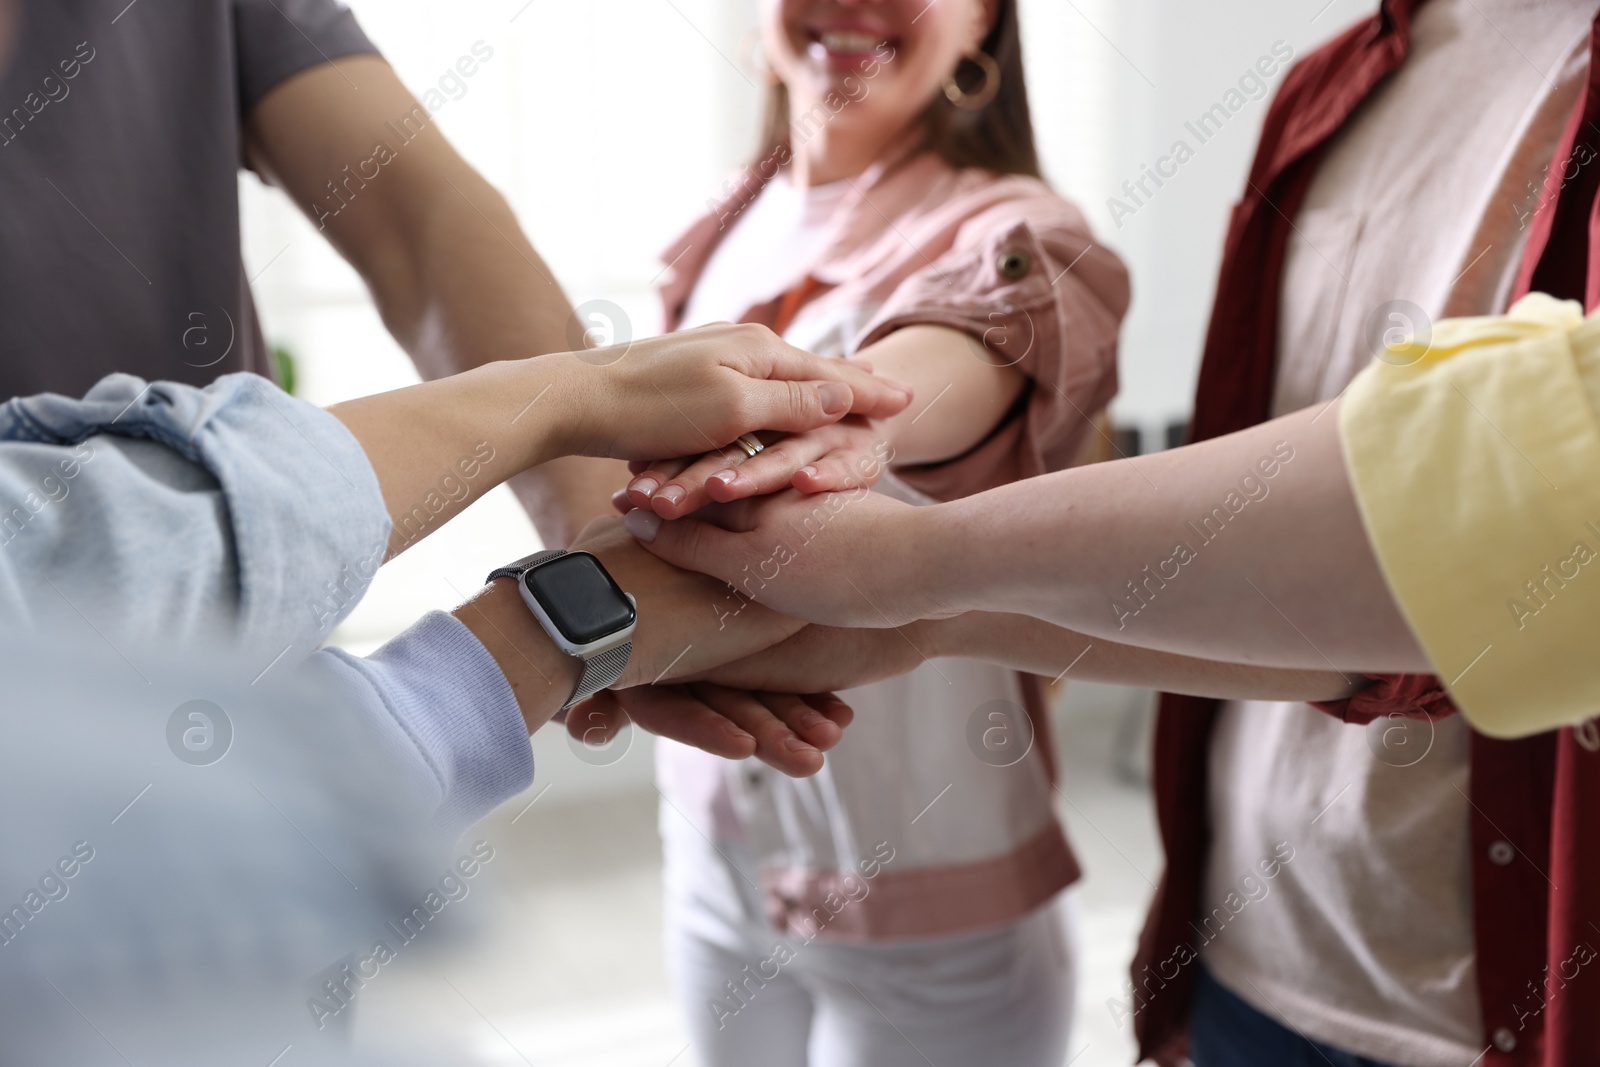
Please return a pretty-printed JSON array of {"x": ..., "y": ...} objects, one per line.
[{"x": 965, "y": 101}]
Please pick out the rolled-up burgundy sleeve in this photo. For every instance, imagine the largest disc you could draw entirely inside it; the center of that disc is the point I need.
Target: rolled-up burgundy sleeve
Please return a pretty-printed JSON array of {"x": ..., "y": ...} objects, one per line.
[
  {"x": 1025, "y": 279},
  {"x": 1412, "y": 696}
]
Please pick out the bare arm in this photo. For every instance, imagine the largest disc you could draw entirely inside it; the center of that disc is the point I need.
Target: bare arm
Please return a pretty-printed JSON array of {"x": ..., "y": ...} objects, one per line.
[
  {"x": 1199, "y": 551},
  {"x": 962, "y": 392},
  {"x": 834, "y": 658},
  {"x": 1037, "y": 647},
  {"x": 1246, "y": 547},
  {"x": 455, "y": 279}
]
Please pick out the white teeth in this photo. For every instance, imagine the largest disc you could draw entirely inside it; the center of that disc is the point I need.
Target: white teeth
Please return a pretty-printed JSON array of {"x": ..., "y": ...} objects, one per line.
[{"x": 850, "y": 41}]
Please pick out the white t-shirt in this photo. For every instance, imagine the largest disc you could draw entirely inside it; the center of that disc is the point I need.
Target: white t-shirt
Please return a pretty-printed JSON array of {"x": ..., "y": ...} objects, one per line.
[
  {"x": 772, "y": 243},
  {"x": 1364, "y": 939}
]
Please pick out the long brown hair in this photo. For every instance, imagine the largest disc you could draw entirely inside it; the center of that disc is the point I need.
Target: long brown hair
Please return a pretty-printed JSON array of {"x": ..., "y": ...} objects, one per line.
[{"x": 997, "y": 137}]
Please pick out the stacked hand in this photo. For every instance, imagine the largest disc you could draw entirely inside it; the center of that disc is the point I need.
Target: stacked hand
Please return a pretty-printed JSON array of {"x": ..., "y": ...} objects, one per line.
[
  {"x": 769, "y": 706},
  {"x": 689, "y": 625},
  {"x": 786, "y": 724},
  {"x": 844, "y": 455},
  {"x": 740, "y": 699},
  {"x": 833, "y": 558},
  {"x": 687, "y": 394}
]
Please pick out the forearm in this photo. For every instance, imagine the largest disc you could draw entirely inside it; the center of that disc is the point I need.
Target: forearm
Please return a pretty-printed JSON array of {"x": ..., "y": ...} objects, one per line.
[
  {"x": 564, "y": 495},
  {"x": 439, "y": 446},
  {"x": 470, "y": 289},
  {"x": 460, "y": 285},
  {"x": 1198, "y": 551},
  {"x": 836, "y": 658},
  {"x": 1037, "y": 647},
  {"x": 456, "y": 281},
  {"x": 961, "y": 392}
]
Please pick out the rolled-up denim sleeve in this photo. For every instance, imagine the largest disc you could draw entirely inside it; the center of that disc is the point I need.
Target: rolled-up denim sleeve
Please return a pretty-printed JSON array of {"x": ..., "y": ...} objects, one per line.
[
  {"x": 154, "y": 516},
  {"x": 164, "y": 512}
]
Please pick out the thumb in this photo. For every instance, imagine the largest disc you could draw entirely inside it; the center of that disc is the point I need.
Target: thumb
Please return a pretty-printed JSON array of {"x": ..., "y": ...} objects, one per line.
[
  {"x": 795, "y": 407},
  {"x": 688, "y": 543},
  {"x": 874, "y": 397}
]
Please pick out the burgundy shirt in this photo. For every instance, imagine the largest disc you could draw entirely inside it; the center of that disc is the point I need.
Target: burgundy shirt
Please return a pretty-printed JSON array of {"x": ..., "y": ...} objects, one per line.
[{"x": 1535, "y": 888}]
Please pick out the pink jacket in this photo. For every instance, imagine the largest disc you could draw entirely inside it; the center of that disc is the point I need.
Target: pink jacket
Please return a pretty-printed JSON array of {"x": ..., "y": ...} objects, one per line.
[{"x": 1009, "y": 262}]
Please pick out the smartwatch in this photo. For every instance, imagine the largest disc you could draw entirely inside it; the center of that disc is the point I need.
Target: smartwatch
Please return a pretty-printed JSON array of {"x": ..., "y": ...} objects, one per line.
[{"x": 583, "y": 610}]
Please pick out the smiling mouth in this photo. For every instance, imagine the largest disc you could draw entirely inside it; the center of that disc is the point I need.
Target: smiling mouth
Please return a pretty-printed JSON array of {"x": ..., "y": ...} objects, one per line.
[{"x": 849, "y": 44}]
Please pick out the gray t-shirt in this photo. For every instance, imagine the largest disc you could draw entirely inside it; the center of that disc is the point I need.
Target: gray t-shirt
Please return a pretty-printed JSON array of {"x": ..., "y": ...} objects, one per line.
[{"x": 120, "y": 144}]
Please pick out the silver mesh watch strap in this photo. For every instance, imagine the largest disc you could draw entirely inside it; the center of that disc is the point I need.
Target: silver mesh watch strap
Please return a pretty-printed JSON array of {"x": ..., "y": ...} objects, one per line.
[
  {"x": 598, "y": 671},
  {"x": 522, "y": 566}
]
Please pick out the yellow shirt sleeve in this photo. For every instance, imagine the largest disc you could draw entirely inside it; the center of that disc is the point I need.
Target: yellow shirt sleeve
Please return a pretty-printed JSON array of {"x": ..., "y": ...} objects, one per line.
[{"x": 1474, "y": 454}]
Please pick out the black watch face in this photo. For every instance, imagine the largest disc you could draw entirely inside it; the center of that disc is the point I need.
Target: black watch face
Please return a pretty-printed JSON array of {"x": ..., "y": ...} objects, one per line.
[{"x": 580, "y": 597}]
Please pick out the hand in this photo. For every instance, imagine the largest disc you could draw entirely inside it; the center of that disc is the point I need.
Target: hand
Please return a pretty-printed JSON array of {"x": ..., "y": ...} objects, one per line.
[
  {"x": 695, "y": 391},
  {"x": 857, "y": 558},
  {"x": 828, "y": 657},
  {"x": 845, "y": 455},
  {"x": 787, "y": 732},
  {"x": 687, "y": 622}
]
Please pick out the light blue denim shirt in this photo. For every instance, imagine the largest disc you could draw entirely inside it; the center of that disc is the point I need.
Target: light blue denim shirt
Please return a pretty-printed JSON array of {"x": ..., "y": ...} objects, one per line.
[{"x": 155, "y": 515}]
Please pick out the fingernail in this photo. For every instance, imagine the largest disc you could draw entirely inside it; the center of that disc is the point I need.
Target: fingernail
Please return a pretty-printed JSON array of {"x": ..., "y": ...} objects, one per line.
[
  {"x": 809, "y": 472},
  {"x": 642, "y": 523},
  {"x": 644, "y": 486},
  {"x": 672, "y": 494},
  {"x": 725, "y": 477},
  {"x": 733, "y": 731},
  {"x": 794, "y": 744},
  {"x": 904, "y": 388},
  {"x": 836, "y": 397},
  {"x": 619, "y": 498},
  {"x": 812, "y": 720}
]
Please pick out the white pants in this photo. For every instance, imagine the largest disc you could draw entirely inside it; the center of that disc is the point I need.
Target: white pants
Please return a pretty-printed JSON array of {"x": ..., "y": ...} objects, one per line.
[{"x": 998, "y": 996}]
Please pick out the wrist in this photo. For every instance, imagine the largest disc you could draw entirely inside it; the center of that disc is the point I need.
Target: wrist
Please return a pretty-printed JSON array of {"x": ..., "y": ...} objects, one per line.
[
  {"x": 944, "y": 638},
  {"x": 541, "y": 675},
  {"x": 543, "y": 406},
  {"x": 932, "y": 573}
]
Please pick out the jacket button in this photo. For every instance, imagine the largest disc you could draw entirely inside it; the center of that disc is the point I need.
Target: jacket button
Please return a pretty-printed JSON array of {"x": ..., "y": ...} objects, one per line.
[
  {"x": 1015, "y": 263},
  {"x": 1501, "y": 853},
  {"x": 1504, "y": 1039}
]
